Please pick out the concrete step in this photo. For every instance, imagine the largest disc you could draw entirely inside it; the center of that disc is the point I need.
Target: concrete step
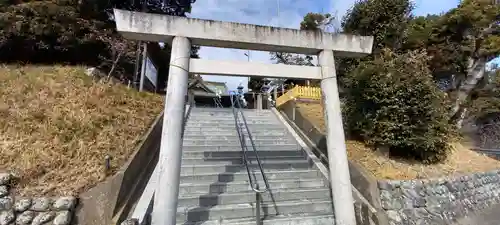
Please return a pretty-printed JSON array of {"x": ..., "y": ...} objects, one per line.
[
  {"x": 230, "y": 117},
  {"x": 236, "y": 141},
  {"x": 237, "y": 160},
  {"x": 229, "y": 110},
  {"x": 237, "y": 152},
  {"x": 230, "y": 121},
  {"x": 232, "y": 125},
  {"x": 193, "y": 170},
  {"x": 233, "y": 132},
  {"x": 237, "y": 147},
  {"x": 244, "y": 186},
  {"x": 203, "y": 108},
  {"x": 235, "y": 137},
  {"x": 220, "y": 129},
  {"x": 234, "y": 211},
  {"x": 230, "y": 113},
  {"x": 318, "y": 193},
  {"x": 243, "y": 176},
  {"x": 293, "y": 219}
]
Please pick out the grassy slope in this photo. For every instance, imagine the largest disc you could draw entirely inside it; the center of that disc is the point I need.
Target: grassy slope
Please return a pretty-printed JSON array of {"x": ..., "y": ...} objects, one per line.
[
  {"x": 57, "y": 125},
  {"x": 461, "y": 161}
]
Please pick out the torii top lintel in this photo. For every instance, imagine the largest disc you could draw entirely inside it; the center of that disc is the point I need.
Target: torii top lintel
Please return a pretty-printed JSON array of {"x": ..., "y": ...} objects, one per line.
[{"x": 162, "y": 28}]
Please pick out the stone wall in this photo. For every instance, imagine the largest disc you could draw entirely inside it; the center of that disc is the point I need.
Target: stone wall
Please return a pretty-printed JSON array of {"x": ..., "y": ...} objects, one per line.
[
  {"x": 422, "y": 202},
  {"x": 34, "y": 211},
  {"x": 438, "y": 201}
]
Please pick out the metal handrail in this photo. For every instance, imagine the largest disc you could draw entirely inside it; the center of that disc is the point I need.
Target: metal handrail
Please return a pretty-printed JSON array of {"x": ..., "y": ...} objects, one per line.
[
  {"x": 253, "y": 185},
  {"x": 218, "y": 102},
  {"x": 191, "y": 104}
]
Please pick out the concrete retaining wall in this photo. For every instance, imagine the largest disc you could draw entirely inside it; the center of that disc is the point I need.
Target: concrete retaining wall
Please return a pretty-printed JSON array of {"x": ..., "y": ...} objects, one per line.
[
  {"x": 439, "y": 201},
  {"x": 112, "y": 200}
]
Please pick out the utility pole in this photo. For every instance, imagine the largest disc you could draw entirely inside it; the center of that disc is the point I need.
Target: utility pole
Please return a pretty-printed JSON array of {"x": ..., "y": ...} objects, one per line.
[
  {"x": 138, "y": 55},
  {"x": 143, "y": 67},
  {"x": 278, "y": 1},
  {"x": 137, "y": 63},
  {"x": 248, "y": 60}
]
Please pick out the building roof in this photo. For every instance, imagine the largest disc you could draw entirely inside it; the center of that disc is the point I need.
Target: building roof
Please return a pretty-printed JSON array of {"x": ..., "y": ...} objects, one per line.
[
  {"x": 216, "y": 86},
  {"x": 207, "y": 88}
]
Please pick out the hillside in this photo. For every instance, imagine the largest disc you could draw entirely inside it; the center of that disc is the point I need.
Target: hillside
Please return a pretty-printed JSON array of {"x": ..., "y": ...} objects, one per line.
[
  {"x": 461, "y": 160},
  {"x": 57, "y": 125}
]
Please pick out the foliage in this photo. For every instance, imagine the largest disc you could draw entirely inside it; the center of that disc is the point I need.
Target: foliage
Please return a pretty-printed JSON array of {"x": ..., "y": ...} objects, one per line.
[
  {"x": 464, "y": 38},
  {"x": 468, "y": 32},
  {"x": 291, "y": 59},
  {"x": 473, "y": 28},
  {"x": 67, "y": 31},
  {"x": 385, "y": 20},
  {"x": 484, "y": 112},
  {"x": 194, "y": 51},
  {"x": 49, "y": 32},
  {"x": 419, "y": 32},
  {"x": 486, "y": 101},
  {"x": 317, "y": 22},
  {"x": 313, "y": 22},
  {"x": 393, "y": 102},
  {"x": 255, "y": 83},
  {"x": 475, "y": 24},
  {"x": 103, "y": 9},
  {"x": 37, "y": 28}
]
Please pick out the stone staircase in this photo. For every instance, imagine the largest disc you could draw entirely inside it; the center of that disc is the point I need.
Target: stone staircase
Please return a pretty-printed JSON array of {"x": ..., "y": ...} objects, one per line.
[{"x": 214, "y": 187}]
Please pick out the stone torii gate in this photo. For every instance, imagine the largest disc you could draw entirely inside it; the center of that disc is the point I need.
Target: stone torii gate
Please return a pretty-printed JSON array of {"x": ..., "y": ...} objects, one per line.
[{"x": 182, "y": 32}]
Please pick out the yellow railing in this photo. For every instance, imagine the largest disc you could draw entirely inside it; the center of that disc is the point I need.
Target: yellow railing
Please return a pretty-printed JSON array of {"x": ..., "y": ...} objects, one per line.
[{"x": 304, "y": 92}]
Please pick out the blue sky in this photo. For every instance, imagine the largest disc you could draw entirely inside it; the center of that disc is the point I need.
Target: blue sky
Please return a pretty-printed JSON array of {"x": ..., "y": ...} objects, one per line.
[{"x": 291, "y": 12}]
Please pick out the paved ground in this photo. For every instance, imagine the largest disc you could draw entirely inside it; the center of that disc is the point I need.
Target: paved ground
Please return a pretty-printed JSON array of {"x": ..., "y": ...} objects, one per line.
[{"x": 489, "y": 216}]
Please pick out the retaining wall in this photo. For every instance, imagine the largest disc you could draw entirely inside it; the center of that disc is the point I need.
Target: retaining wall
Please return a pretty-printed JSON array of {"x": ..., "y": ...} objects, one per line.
[
  {"x": 422, "y": 202},
  {"x": 111, "y": 201},
  {"x": 439, "y": 201}
]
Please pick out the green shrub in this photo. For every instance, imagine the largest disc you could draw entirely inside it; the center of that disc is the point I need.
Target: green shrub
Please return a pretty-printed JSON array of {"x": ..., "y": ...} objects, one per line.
[{"x": 393, "y": 102}]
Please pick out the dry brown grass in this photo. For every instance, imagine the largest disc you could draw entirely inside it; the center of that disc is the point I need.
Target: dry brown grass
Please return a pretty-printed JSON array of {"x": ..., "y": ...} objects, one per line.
[
  {"x": 57, "y": 126},
  {"x": 461, "y": 161}
]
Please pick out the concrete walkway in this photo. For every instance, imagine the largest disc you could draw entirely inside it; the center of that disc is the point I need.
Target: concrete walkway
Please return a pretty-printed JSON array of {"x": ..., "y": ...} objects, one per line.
[{"x": 490, "y": 216}]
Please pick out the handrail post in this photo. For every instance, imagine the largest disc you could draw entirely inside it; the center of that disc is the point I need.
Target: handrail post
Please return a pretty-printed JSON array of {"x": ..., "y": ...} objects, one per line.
[
  {"x": 275, "y": 93},
  {"x": 258, "y": 219}
]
